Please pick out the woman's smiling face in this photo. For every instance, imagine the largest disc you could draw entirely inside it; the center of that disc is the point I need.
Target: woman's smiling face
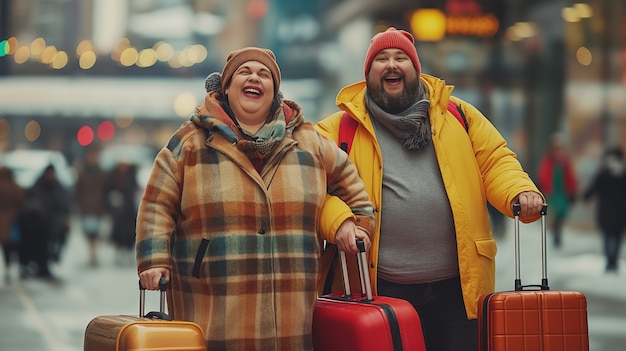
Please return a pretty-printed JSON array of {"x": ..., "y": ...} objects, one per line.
[{"x": 251, "y": 92}]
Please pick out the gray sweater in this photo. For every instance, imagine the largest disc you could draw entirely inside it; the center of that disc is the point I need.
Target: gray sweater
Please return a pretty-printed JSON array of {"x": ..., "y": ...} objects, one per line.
[{"x": 417, "y": 239}]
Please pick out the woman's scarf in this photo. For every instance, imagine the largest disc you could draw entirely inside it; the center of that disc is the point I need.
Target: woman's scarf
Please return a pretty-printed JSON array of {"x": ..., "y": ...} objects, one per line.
[
  {"x": 409, "y": 126},
  {"x": 262, "y": 143},
  {"x": 255, "y": 146}
]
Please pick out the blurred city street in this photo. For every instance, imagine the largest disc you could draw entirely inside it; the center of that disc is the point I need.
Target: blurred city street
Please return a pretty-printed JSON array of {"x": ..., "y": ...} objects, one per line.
[
  {"x": 40, "y": 315},
  {"x": 120, "y": 76},
  {"x": 52, "y": 314}
]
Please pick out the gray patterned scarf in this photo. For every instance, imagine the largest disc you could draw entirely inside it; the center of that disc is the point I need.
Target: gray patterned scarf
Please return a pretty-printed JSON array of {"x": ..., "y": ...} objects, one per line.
[
  {"x": 256, "y": 146},
  {"x": 263, "y": 142},
  {"x": 409, "y": 126}
]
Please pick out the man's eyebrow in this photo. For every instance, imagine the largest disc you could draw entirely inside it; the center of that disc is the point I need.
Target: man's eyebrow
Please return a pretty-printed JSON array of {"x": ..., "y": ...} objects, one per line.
[{"x": 391, "y": 52}]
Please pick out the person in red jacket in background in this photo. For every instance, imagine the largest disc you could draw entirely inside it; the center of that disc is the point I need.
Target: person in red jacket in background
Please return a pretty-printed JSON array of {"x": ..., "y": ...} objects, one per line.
[{"x": 557, "y": 181}]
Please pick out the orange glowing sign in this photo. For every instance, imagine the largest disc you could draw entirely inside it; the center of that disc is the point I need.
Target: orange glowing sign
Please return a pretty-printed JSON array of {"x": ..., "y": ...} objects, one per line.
[
  {"x": 459, "y": 19},
  {"x": 484, "y": 25}
]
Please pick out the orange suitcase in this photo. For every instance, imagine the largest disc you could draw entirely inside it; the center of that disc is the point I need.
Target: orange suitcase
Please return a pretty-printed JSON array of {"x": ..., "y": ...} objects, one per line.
[
  {"x": 533, "y": 317},
  {"x": 153, "y": 331}
]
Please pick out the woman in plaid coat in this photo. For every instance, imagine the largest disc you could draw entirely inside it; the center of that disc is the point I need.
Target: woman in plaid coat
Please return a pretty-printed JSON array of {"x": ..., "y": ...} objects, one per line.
[{"x": 230, "y": 213}]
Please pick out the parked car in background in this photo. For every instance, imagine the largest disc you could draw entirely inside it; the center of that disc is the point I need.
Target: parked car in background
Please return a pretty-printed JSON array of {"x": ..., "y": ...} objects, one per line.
[{"x": 28, "y": 165}]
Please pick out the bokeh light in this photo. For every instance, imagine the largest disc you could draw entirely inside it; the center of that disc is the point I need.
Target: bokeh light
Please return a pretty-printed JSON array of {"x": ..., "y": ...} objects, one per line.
[
  {"x": 4, "y": 48},
  {"x": 37, "y": 46},
  {"x": 147, "y": 58},
  {"x": 22, "y": 54},
  {"x": 256, "y": 9},
  {"x": 83, "y": 47},
  {"x": 48, "y": 55},
  {"x": 428, "y": 24},
  {"x": 106, "y": 131},
  {"x": 123, "y": 120},
  {"x": 32, "y": 131},
  {"x": 185, "y": 104},
  {"x": 85, "y": 135},
  {"x": 87, "y": 60},
  {"x": 584, "y": 56},
  {"x": 129, "y": 57},
  {"x": 164, "y": 51},
  {"x": 60, "y": 60}
]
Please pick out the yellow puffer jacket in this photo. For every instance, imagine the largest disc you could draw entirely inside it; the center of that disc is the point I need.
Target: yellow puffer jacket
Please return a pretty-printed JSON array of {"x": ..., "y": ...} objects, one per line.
[{"x": 476, "y": 167}]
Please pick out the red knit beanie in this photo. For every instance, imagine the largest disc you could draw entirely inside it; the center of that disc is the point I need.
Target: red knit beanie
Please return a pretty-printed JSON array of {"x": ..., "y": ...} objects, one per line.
[
  {"x": 392, "y": 38},
  {"x": 238, "y": 57}
]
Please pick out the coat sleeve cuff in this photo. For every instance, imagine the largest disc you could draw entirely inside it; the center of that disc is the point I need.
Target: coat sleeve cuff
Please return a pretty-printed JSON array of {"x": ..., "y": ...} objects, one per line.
[{"x": 333, "y": 214}]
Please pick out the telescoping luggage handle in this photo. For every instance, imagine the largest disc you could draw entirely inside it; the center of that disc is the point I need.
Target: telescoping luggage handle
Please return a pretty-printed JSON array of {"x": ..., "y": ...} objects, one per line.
[
  {"x": 544, "y": 264},
  {"x": 364, "y": 278},
  {"x": 142, "y": 302}
]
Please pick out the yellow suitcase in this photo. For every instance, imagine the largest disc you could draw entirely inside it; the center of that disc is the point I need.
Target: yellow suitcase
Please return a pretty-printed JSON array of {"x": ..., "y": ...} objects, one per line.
[{"x": 152, "y": 331}]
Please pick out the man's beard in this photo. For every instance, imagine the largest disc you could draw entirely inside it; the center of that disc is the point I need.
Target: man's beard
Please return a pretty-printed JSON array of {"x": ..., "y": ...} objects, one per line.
[{"x": 394, "y": 104}]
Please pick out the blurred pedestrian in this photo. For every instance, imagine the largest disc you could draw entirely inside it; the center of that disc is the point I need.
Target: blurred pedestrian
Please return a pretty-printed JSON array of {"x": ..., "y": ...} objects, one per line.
[
  {"x": 44, "y": 223},
  {"x": 230, "y": 212},
  {"x": 121, "y": 203},
  {"x": 557, "y": 181},
  {"x": 608, "y": 188},
  {"x": 12, "y": 198},
  {"x": 90, "y": 200}
]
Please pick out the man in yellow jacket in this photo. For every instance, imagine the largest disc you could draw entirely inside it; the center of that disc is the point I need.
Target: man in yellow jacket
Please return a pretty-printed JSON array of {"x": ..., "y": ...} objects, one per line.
[{"x": 430, "y": 180}]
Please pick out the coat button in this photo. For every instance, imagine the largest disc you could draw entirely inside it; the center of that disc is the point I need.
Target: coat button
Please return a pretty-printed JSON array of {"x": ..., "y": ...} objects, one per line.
[{"x": 262, "y": 231}]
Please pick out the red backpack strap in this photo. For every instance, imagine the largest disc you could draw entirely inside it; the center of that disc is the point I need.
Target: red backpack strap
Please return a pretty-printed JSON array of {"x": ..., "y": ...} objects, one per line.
[
  {"x": 348, "y": 125},
  {"x": 457, "y": 112},
  {"x": 347, "y": 128}
]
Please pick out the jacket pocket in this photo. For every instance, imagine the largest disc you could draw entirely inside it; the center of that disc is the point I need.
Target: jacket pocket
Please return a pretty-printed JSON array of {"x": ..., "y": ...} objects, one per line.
[
  {"x": 486, "y": 248},
  {"x": 199, "y": 256}
]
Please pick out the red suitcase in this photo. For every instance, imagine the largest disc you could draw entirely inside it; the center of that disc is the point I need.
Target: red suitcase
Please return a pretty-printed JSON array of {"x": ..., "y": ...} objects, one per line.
[
  {"x": 362, "y": 322},
  {"x": 533, "y": 317},
  {"x": 154, "y": 331}
]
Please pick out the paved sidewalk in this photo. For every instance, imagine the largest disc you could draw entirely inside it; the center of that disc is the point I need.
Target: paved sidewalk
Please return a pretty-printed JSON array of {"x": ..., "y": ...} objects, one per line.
[{"x": 51, "y": 316}]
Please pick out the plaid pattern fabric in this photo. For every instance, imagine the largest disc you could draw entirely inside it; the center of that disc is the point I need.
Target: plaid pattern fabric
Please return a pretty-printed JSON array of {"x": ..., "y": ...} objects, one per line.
[{"x": 254, "y": 286}]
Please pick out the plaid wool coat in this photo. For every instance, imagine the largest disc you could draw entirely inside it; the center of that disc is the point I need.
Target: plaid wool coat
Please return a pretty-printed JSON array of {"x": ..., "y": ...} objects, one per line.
[{"x": 242, "y": 247}]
